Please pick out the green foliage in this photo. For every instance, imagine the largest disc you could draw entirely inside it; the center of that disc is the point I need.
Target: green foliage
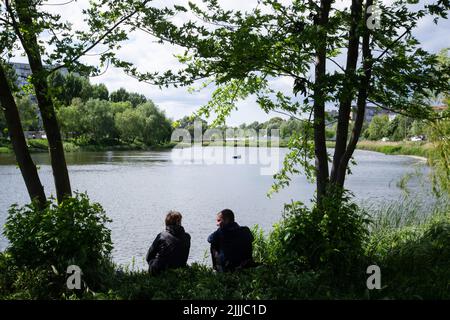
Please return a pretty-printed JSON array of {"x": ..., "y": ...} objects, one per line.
[
  {"x": 378, "y": 127},
  {"x": 410, "y": 242},
  {"x": 202, "y": 283},
  {"x": 146, "y": 123},
  {"x": 122, "y": 95},
  {"x": 399, "y": 128},
  {"x": 245, "y": 51},
  {"x": 188, "y": 122},
  {"x": 27, "y": 112},
  {"x": 72, "y": 233},
  {"x": 38, "y": 144},
  {"x": 107, "y": 123},
  {"x": 439, "y": 135},
  {"x": 329, "y": 238}
]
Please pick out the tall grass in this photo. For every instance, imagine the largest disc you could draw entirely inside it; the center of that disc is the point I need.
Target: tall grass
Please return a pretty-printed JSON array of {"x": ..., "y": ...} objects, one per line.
[{"x": 420, "y": 149}]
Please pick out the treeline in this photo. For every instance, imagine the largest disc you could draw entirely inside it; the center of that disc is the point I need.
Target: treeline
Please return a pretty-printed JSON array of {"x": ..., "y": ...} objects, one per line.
[
  {"x": 398, "y": 129},
  {"x": 28, "y": 111},
  {"x": 89, "y": 114}
]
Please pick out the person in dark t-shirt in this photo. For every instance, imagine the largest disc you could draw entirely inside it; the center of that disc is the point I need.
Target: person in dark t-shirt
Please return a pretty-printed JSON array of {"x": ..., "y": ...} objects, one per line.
[{"x": 231, "y": 244}]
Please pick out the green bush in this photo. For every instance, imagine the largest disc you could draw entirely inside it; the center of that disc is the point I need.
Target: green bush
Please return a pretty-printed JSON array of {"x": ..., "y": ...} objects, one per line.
[
  {"x": 329, "y": 238},
  {"x": 414, "y": 258},
  {"x": 70, "y": 147},
  {"x": 41, "y": 144},
  {"x": 72, "y": 233}
]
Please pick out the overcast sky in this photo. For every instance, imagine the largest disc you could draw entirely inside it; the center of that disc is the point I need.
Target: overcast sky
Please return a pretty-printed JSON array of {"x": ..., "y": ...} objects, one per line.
[{"x": 149, "y": 56}]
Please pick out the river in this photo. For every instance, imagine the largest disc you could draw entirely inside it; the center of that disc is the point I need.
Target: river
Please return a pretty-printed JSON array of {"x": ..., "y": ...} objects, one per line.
[{"x": 137, "y": 189}]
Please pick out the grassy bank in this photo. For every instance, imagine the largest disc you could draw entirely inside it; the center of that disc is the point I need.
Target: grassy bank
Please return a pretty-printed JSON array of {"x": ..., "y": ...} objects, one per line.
[
  {"x": 408, "y": 240},
  {"x": 393, "y": 148},
  {"x": 420, "y": 149}
]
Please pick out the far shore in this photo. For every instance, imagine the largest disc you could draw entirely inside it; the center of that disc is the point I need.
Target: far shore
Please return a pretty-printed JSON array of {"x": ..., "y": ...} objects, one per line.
[{"x": 416, "y": 150}]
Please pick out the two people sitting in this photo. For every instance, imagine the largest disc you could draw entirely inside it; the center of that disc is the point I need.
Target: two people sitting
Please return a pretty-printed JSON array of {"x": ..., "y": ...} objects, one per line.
[{"x": 231, "y": 245}]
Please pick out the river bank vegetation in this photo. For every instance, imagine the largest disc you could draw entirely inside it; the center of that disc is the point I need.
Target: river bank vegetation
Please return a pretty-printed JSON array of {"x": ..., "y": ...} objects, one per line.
[{"x": 322, "y": 251}]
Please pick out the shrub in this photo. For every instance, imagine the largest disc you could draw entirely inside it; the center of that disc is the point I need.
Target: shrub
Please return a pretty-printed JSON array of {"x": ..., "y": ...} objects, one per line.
[
  {"x": 41, "y": 144},
  {"x": 70, "y": 147},
  {"x": 414, "y": 256},
  {"x": 72, "y": 233},
  {"x": 329, "y": 238}
]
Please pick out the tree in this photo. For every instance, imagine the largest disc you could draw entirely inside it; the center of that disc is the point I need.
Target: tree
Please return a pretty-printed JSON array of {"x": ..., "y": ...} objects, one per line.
[
  {"x": 122, "y": 95},
  {"x": 28, "y": 113},
  {"x": 241, "y": 51},
  {"x": 417, "y": 128},
  {"x": 99, "y": 91},
  {"x": 187, "y": 122},
  {"x": 46, "y": 40},
  {"x": 15, "y": 130},
  {"x": 146, "y": 123},
  {"x": 378, "y": 127},
  {"x": 99, "y": 119},
  {"x": 72, "y": 119},
  {"x": 398, "y": 129}
]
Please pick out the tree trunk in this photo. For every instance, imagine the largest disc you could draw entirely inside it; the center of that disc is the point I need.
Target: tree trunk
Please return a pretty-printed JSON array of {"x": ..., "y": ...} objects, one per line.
[
  {"x": 320, "y": 149},
  {"x": 15, "y": 130},
  {"x": 363, "y": 91},
  {"x": 25, "y": 12},
  {"x": 347, "y": 94}
]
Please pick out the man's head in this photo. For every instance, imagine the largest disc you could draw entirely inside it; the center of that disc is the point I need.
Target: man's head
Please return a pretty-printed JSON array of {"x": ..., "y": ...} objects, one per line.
[
  {"x": 173, "y": 218},
  {"x": 224, "y": 217}
]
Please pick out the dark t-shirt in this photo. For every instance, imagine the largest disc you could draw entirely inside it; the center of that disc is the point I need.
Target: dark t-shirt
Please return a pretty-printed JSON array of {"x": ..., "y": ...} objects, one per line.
[{"x": 233, "y": 246}]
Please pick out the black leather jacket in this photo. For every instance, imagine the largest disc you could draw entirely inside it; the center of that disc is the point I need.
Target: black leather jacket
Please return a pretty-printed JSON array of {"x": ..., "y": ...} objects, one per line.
[{"x": 170, "y": 249}]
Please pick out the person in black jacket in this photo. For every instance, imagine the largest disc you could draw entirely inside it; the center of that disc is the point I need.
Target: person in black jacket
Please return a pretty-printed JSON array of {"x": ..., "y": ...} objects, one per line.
[
  {"x": 171, "y": 247},
  {"x": 231, "y": 244}
]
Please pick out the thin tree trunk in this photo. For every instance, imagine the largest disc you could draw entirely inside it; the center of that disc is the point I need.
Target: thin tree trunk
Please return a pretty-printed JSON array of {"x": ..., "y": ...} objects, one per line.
[
  {"x": 15, "y": 130},
  {"x": 25, "y": 12},
  {"x": 320, "y": 149},
  {"x": 347, "y": 90},
  {"x": 363, "y": 91}
]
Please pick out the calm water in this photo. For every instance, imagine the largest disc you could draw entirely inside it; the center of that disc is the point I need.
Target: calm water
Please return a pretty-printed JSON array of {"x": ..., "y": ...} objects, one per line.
[{"x": 138, "y": 188}]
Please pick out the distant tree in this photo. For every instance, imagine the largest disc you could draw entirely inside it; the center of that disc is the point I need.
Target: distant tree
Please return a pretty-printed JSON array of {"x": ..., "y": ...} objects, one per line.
[
  {"x": 418, "y": 127},
  {"x": 241, "y": 52},
  {"x": 71, "y": 119},
  {"x": 99, "y": 91},
  {"x": 130, "y": 125},
  {"x": 146, "y": 123},
  {"x": 378, "y": 127},
  {"x": 399, "y": 128},
  {"x": 157, "y": 128},
  {"x": 28, "y": 113},
  {"x": 119, "y": 95},
  {"x": 136, "y": 99},
  {"x": 3, "y": 125},
  {"x": 273, "y": 124},
  {"x": 187, "y": 122}
]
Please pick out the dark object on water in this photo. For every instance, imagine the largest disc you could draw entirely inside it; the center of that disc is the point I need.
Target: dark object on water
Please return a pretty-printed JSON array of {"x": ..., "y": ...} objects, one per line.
[{"x": 237, "y": 157}]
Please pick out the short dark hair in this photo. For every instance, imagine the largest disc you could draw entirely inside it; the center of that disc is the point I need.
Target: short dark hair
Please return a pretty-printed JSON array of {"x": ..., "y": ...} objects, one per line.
[
  {"x": 173, "y": 218},
  {"x": 227, "y": 215}
]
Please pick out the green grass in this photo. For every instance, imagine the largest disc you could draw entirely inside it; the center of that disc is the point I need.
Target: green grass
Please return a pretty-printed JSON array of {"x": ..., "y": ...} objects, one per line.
[
  {"x": 409, "y": 240},
  {"x": 420, "y": 149}
]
